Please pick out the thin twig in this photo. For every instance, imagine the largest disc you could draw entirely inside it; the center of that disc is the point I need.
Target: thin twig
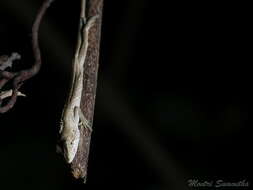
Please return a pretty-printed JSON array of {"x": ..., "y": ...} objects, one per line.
[{"x": 20, "y": 77}]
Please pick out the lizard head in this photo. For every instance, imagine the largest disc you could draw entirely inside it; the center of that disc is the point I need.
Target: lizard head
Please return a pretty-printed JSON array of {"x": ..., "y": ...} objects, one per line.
[{"x": 70, "y": 140}]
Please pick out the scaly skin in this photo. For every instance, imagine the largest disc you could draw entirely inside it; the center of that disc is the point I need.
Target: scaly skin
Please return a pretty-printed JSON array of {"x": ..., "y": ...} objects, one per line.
[{"x": 72, "y": 116}]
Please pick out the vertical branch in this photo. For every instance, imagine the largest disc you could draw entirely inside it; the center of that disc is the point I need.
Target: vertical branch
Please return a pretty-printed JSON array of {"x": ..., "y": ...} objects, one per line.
[{"x": 80, "y": 162}]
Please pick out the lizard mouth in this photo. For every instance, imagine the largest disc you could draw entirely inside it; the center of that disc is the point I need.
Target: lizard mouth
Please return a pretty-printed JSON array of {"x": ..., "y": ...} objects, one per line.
[
  {"x": 70, "y": 149},
  {"x": 67, "y": 155}
]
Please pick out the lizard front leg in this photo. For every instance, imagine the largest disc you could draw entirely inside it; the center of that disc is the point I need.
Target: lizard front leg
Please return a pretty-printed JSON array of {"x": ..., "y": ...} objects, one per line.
[{"x": 82, "y": 120}]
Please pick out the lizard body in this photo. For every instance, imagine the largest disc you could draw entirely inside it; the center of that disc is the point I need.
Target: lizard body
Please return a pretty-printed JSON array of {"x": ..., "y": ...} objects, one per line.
[{"x": 72, "y": 116}]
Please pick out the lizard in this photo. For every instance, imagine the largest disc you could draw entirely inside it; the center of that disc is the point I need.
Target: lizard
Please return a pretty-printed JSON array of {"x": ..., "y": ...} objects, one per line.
[{"x": 72, "y": 117}]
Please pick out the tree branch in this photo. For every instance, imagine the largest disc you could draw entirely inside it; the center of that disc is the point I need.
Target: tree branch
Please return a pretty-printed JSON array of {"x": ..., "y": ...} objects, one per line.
[
  {"x": 20, "y": 77},
  {"x": 80, "y": 162}
]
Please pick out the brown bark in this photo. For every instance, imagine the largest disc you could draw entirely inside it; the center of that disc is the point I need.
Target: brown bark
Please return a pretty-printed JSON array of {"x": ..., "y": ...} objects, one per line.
[{"x": 80, "y": 162}]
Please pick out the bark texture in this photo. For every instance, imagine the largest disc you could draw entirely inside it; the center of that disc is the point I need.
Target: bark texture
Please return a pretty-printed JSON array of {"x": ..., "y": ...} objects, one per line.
[{"x": 80, "y": 163}]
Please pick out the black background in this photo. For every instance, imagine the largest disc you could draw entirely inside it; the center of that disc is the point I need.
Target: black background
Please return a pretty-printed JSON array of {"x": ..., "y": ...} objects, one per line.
[{"x": 172, "y": 97}]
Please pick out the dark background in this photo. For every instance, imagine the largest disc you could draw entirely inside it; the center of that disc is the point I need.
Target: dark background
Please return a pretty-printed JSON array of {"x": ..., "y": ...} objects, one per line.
[{"x": 172, "y": 96}]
